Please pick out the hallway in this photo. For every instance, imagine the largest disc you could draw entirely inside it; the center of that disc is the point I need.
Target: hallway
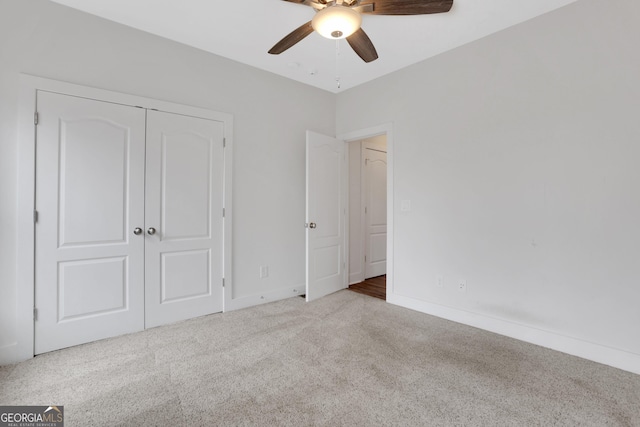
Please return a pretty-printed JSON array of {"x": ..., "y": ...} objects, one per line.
[{"x": 374, "y": 287}]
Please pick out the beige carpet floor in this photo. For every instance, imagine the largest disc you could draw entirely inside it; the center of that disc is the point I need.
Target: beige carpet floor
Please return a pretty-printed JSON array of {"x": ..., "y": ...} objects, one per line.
[{"x": 346, "y": 360}]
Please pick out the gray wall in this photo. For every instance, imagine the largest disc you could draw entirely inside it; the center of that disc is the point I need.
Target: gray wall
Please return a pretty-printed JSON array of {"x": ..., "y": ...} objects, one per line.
[
  {"x": 270, "y": 113},
  {"x": 519, "y": 153}
]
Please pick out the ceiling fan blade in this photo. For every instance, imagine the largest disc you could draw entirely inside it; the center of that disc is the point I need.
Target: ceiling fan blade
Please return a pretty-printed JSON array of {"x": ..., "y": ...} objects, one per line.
[
  {"x": 314, "y": 4},
  {"x": 361, "y": 44},
  {"x": 363, "y": 8},
  {"x": 292, "y": 38},
  {"x": 407, "y": 7}
]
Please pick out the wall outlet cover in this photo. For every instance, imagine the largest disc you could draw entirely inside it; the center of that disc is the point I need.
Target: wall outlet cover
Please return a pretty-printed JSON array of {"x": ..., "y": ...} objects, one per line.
[{"x": 264, "y": 271}]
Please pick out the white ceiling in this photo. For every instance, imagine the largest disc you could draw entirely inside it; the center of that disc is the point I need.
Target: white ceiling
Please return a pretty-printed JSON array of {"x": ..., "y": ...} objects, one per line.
[{"x": 244, "y": 30}]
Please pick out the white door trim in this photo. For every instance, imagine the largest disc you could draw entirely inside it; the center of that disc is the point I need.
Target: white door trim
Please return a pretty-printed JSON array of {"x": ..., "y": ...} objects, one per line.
[
  {"x": 386, "y": 128},
  {"x": 356, "y": 277},
  {"x": 23, "y": 347}
]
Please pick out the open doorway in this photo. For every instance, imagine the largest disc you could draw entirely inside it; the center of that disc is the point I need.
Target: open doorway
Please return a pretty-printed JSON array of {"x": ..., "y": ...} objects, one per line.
[
  {"x": 328, "y": 212},
  {"x": 368, "y": 215}
]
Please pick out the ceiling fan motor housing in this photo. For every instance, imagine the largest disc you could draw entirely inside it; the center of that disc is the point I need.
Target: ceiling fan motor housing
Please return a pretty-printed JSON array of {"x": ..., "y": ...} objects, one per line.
[{"x": 336, "y": 22}]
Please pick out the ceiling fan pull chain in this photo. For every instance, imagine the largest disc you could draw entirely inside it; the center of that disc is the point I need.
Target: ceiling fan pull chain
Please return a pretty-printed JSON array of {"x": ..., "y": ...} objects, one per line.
[{"x": 338, "y": 63}]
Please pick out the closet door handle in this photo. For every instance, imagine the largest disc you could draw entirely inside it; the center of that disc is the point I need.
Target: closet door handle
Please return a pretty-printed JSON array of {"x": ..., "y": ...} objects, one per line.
[
  {"x": 137, "y": 231},
  {"x": 151, "y": 231}
]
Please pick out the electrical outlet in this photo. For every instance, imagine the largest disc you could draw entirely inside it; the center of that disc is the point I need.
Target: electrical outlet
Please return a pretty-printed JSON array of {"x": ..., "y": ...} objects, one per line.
[
  {"x": 440, "y": 281},
  {"x": 264, "y": 271},
  {"x": 462, "y": 286}
]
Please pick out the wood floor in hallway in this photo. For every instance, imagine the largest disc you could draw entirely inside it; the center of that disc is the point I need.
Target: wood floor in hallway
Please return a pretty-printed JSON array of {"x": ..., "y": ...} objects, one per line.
[{"x": 374, "y": 287}]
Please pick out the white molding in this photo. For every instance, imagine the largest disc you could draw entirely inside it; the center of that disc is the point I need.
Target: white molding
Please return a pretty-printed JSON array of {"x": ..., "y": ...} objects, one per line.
[
  {"x": 346, "y": 219},
  {"x": 39, "y": 83},
  {"x": 595, "y": 352},
  {"x": 29, "y": 85},
  {"x": 354, "y": 276},
  {"x": 227, "y": 269},
  {"x": 363, "y": 217},
  {"x": 386, "y": 128},
  {"x": 272, "y": 296},
  {"x": 25, "y": 259}
]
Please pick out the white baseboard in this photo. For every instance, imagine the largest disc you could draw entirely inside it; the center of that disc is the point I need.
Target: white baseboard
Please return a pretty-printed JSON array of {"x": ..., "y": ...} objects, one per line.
[
  {"x": 249, "y": 301},
  {"x": 356, "y": 278},
  {"x": 598, "y": 353},
  {"x": 8, "y": 354}
]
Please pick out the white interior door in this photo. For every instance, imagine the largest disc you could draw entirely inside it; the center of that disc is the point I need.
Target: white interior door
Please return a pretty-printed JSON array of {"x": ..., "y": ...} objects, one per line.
[
  {"x": 326, "y": 216},
  {"x": 184, "y": 222},
  {"x": 375, "y": 170},
  {"x": 89, "y": 198}
]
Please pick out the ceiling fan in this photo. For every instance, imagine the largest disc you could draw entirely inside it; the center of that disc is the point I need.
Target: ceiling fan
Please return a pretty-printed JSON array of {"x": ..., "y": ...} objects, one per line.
[{"x": 338, "y": 19}]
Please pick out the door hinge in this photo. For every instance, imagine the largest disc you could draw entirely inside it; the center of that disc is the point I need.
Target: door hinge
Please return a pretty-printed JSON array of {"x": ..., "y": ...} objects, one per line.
[
  {"x": 365, "y": 210},
  {"x": 35, "y": 216},
  {"x": 366, "y": 162},
  {"x": 223, "y": 282},
  {"x": 224, "y": 142},
  {"x": 36, "y": 118},
  {"x": 35, "y": 313},
  {"x": 365, "y": 258},
  {"x": 223, "y": 213}
]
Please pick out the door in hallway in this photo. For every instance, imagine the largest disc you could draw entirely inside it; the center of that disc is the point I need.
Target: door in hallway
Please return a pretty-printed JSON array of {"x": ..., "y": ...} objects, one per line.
[{"x": 375, "y": 182}]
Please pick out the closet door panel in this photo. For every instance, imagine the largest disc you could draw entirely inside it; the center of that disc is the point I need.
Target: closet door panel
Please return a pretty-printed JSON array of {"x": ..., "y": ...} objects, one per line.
[
  {"x": 89, "y": 196},
  {"x": 185, "y": 186},
  {"x": 184, "y": 199}
]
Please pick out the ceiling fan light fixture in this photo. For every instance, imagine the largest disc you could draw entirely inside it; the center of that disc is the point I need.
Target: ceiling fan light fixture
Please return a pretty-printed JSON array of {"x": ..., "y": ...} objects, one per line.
[{"x": 336, "y": 22}]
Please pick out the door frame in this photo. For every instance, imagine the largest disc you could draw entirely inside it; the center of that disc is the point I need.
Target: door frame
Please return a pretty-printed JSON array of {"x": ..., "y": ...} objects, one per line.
[
  {"x": 23, "y": 348},
  {"x": 347, "y": 137}
]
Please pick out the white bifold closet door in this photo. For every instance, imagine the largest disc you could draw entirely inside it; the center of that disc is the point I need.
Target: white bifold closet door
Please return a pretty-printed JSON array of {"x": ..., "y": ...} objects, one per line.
[
  {"x": 184, "y": 206},
  {"x": 99, "y": 264},
  {"x": 89, "y": 198}
]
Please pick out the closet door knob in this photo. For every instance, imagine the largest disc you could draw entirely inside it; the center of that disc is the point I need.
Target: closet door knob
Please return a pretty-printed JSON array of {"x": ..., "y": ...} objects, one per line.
[
  {"x": 137, "y": 231},
  {"x": 151, "y": 231},
  {"x": 312, "y": 225}
]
